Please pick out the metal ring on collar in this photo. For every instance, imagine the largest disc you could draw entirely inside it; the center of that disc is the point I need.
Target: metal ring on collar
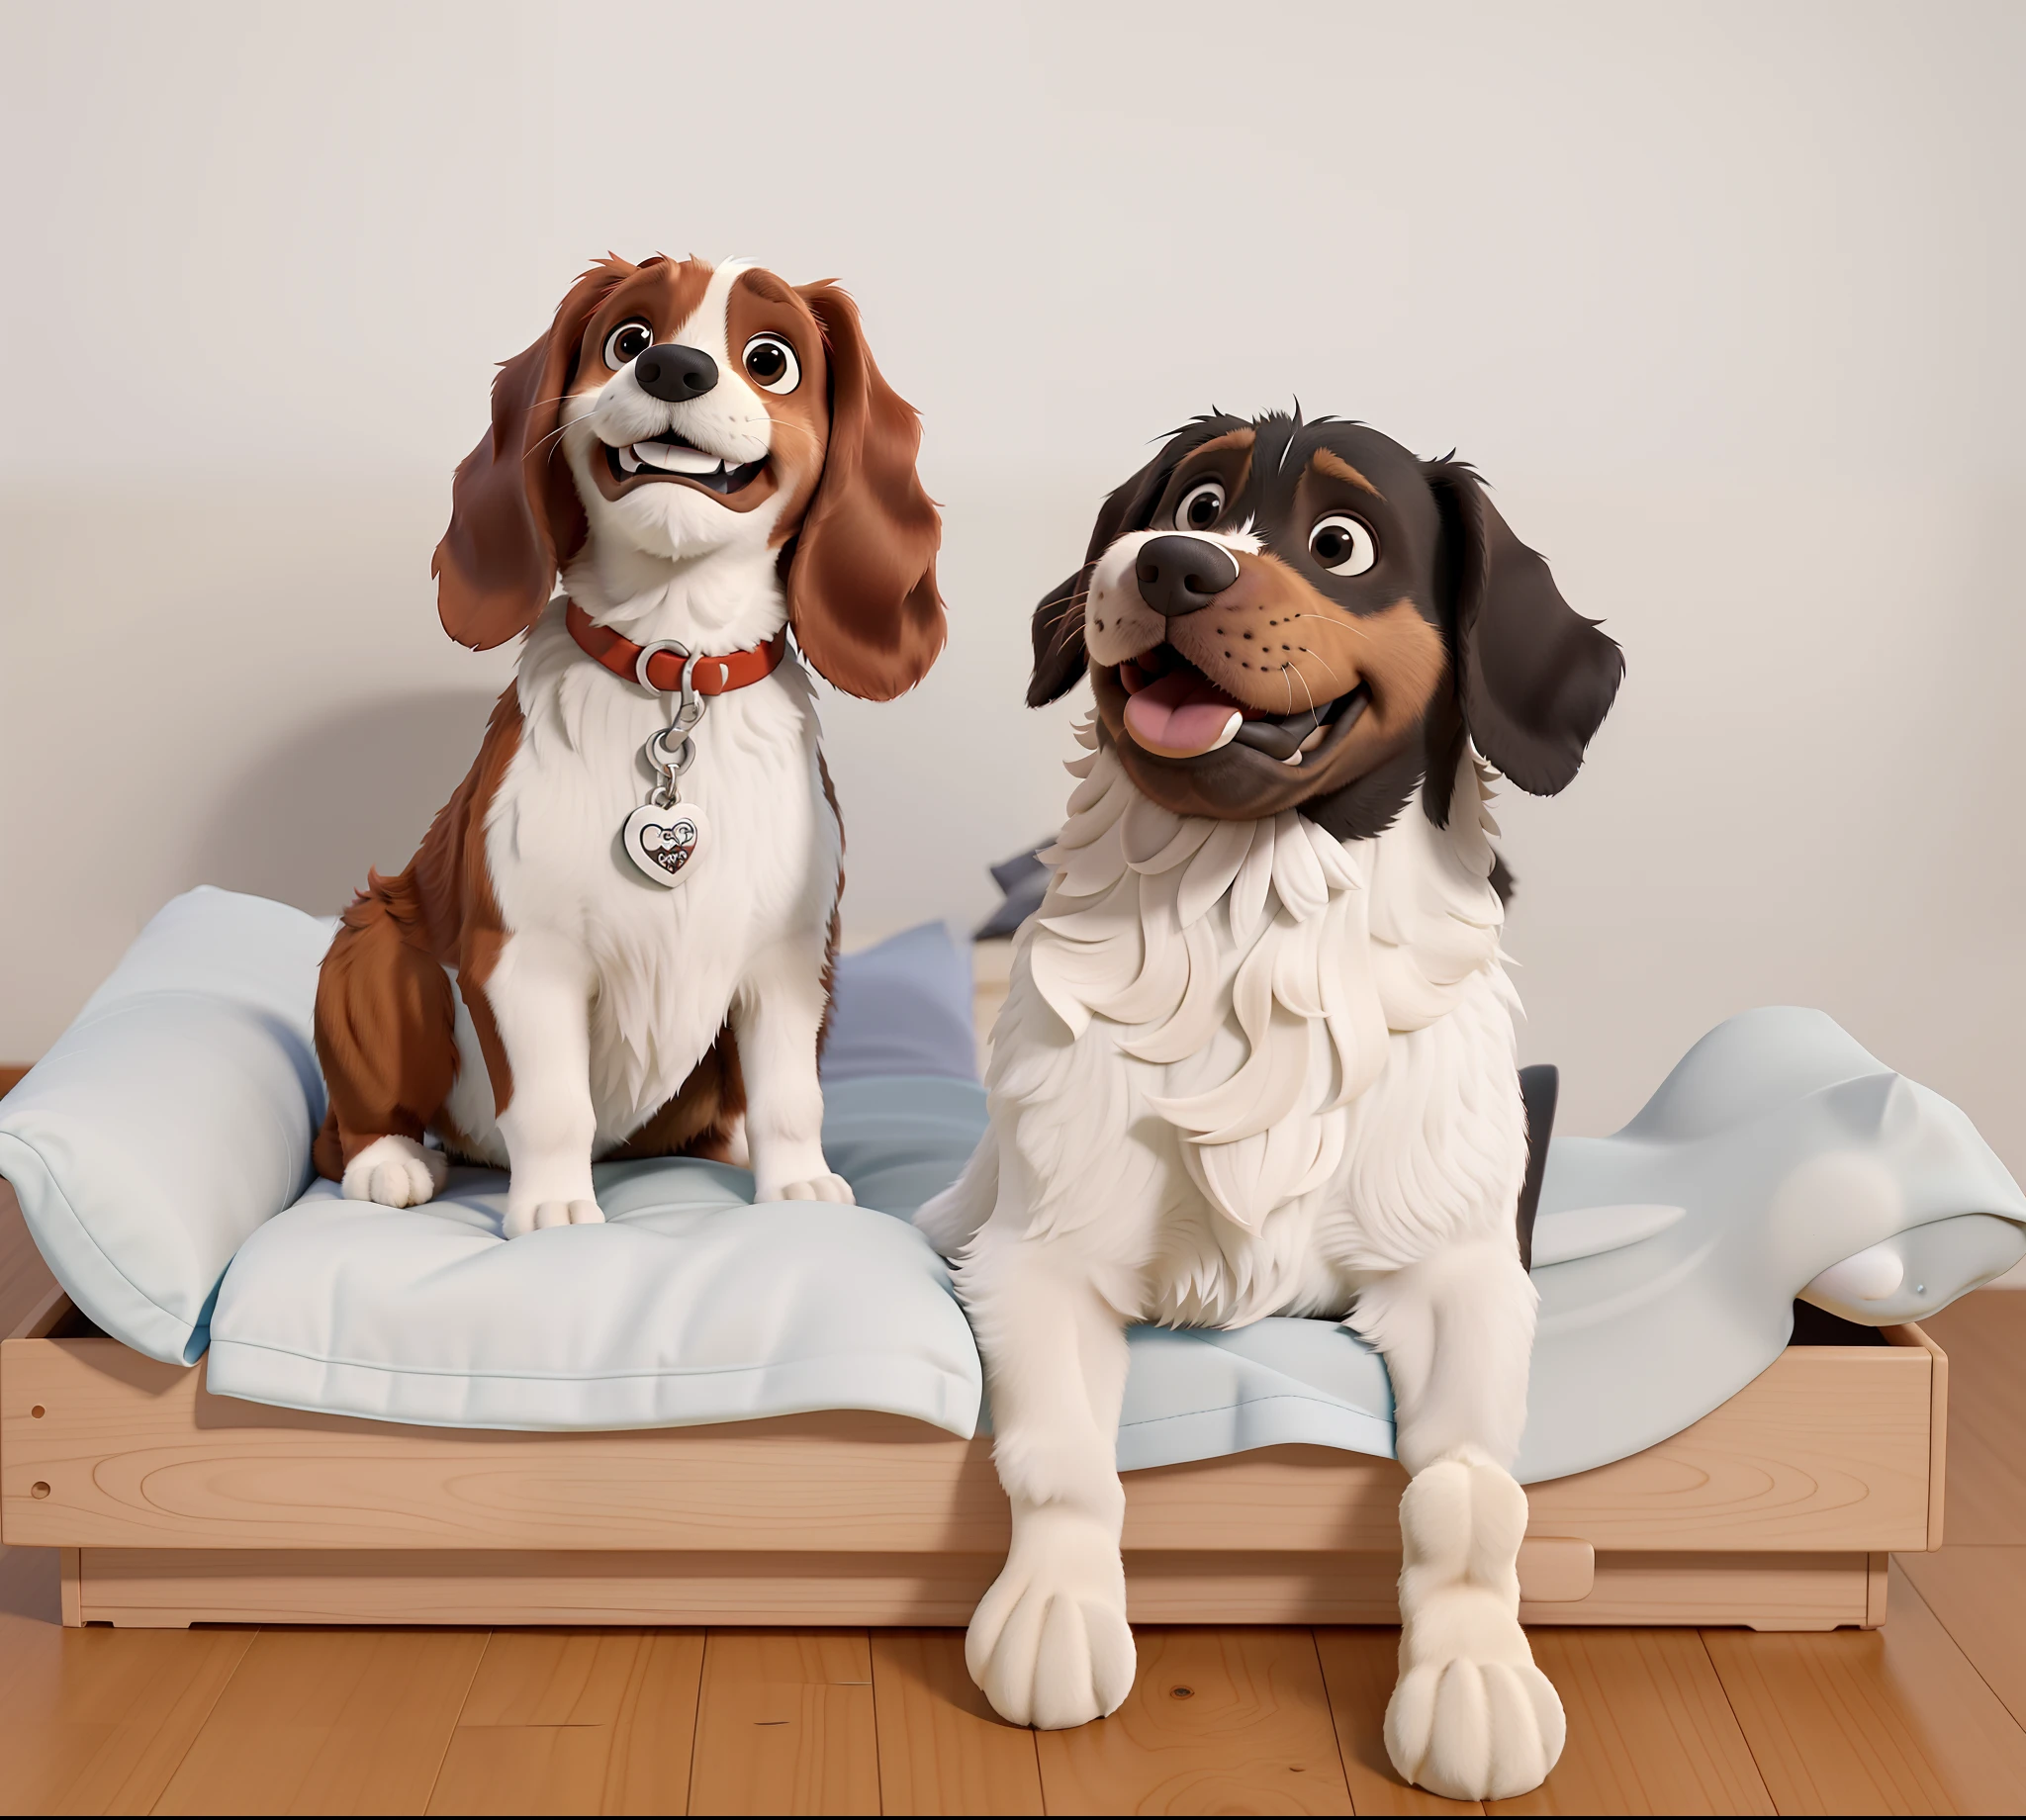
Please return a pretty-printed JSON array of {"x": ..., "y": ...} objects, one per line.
[
  {"x": 657, "y": 753},
  {"x": 648, "y": 652}
]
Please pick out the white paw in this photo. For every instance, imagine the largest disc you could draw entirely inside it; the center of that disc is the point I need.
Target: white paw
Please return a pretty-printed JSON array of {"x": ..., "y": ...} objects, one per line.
[
  {"x": 524, "y": 1216},
  {"x": 395, "y": 1172},
  {"x": 1472, "y": 1718},
  {"x": 1475, "y": 1731},
  {"x": 1048, "y": 1644},
  {"x": 825, "y": 1187}
]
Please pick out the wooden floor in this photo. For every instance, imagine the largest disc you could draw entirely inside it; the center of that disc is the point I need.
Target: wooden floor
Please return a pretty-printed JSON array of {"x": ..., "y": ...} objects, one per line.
[{"x": 1926, "y": 1716}]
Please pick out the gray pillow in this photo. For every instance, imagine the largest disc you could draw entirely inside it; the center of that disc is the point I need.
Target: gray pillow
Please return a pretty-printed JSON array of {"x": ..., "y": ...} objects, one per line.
[{"x": 903, "y": 1007}]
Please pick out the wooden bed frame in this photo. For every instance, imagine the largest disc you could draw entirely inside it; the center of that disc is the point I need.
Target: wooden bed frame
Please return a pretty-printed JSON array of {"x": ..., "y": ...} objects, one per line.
[{"x": 173, "y": 1507}]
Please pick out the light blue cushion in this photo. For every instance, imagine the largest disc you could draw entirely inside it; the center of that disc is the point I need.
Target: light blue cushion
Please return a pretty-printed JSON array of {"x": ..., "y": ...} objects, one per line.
[
  {"x": 173, "y": 1116},
  {"x": 902, "y": 1007},
  {"x": 689, "y": 1305}
]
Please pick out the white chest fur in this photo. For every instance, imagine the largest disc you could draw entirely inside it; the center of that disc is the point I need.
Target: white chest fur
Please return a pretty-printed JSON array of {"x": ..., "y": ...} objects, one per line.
[
  {"x": 1248, "y": 1059},
  {"x": 664, "y": 963}
]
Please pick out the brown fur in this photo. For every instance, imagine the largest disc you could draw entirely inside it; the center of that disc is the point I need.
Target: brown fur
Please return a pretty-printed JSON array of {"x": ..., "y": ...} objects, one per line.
[
  {"x": 871, "y": 533},
  {"x": 1327, "y": 461},
  {"x": 514, "y": 515},
  {"x": 385, "y": 1023}
]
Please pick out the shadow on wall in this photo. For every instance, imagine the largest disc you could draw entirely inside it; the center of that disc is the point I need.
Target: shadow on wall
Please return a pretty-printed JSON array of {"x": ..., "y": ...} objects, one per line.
[{"x": 354, "y": 789}]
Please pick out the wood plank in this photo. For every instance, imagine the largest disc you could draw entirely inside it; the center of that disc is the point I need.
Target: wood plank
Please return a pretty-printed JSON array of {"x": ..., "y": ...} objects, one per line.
[
  {"x": 25, "y": 1280},
  {"x": 1769, "y": 1591},
  {"x": 1984, "y": 1336},
  {"x": 136, "y": 1453},
  {"x": 942, "y": 1747},
  {"x": 1358, "y": 1670},
  {"x": 1980, "y": 1596},
  {"x": 1218, "y": 1721},
  {"x": 10, "y": 1075},
  {"x": 498, "y": 1586},
  {"x": 488, "y": 1587},
  {"x": 1869, "y": 1721},
  {"x": 93, "y": 1720},
  {"x": 786, "y": 1725},
  {"x": 1911, "y": 1333},
  {"x": 576, "y": 1722},
  {"x": 1978, "y": 1746},
  {"x": 1828, "y": 1449},
  {"x": 1650, "y": 1730},
  {"x": 346, "y": 1721},
  {"x": 654, "y": 1735}
]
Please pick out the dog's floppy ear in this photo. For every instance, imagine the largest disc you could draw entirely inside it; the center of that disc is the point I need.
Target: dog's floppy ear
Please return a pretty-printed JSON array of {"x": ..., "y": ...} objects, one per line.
[
  {"x": 862, "y": 580},
  {"x": 1536, "y": 679},
  {"x": 1058, "y": 659},
  {"x": 514, "y": 513}
]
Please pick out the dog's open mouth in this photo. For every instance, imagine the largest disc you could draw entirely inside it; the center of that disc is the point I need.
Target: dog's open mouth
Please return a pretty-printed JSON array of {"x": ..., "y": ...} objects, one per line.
[
  {"x": 668, "y": 456},
  {"x": 1174, "y": 711}
]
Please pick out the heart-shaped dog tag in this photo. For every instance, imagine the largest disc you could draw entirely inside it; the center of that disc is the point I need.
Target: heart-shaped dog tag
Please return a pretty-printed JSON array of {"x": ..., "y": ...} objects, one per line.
[{"x": 664, "y": 843}]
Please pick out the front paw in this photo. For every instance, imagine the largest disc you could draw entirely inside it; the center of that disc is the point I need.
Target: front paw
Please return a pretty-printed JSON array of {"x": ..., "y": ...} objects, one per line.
[
  {"x": 395, "y": 1172},
  {"x": 1048, "y": 1644},
  {"x": 1472, "y": 1718},
  {"x": 1475, "y": 1730},
  {"x": 532, "y": 1216},
  {"x": 824, "y": 1187}
]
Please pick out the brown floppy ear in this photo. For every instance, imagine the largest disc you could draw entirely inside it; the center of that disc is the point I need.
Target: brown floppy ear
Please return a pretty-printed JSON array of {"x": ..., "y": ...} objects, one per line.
[
  {"x": 1057, "y": 629},
  {"x": 862, "y": 580},
  {"x": 1536, "y": 679},
  {"x": 514, "y": 513}
]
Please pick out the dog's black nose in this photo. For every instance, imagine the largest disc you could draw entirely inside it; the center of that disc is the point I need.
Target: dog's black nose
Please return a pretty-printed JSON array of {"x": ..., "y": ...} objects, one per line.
[
  {"x": 674, "y": 372},
  {"x": 1181, "y": 574}
]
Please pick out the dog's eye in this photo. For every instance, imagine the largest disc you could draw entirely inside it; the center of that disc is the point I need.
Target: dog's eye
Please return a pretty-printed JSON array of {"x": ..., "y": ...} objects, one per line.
[
  {"x": 1201, "y": 507},
  {"x": 772, "y": 364},
  {"x": 627, "y": 342},
  {"x": 1343, "y": 544}
]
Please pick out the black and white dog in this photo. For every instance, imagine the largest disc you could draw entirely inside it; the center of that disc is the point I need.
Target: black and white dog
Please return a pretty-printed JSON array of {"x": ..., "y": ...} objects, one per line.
[{"x": 1257, "y": 1056}]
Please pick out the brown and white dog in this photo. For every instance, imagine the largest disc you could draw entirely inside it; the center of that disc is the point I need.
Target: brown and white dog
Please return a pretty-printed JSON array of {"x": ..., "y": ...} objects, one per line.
[
  {"x": 709, "y": 456},
  {"x": 1258, "y": 1053}
]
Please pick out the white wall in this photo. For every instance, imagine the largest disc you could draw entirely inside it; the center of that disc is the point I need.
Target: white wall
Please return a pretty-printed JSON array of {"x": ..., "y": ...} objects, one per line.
[{"x": 1724, "y": 300}]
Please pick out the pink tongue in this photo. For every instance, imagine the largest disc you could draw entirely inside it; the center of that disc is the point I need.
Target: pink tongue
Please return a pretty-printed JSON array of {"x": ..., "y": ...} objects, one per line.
[{"x": 1180, "y": 715}]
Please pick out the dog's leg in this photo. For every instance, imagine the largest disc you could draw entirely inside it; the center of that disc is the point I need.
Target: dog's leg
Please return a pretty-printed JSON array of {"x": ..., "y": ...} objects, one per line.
[
  {"x": 386, "y": 1040},
  {"x": 540, "y": 994},
  {"x": 776, "y": 1017},
  {"x": 1049, "y": 1643},
  {"x": 1471, "y": 1717}
]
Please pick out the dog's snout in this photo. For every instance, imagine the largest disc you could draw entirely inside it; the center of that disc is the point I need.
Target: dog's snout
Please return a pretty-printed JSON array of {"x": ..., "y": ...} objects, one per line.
[
  {"x": 1181, "y": 574},
  {"x": 674, "y": 372}
]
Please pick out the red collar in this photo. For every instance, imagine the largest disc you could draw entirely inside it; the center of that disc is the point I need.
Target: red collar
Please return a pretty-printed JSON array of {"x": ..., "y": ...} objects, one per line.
[{"x": 714, "y": 676}]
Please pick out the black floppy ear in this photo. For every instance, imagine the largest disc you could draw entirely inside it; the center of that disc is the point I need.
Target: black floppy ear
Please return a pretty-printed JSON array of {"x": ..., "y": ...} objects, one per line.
[
  {"x": 1058, "y": 660},
  {"x": 1536, "y": 679}
]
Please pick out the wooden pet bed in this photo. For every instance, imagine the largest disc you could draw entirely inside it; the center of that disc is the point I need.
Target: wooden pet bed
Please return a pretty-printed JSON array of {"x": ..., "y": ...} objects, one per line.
[{"x": 173, "y": 1507}]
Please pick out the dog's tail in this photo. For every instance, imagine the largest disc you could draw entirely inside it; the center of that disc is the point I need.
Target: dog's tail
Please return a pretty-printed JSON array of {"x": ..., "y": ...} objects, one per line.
[{"x": 951, "y": 1221}]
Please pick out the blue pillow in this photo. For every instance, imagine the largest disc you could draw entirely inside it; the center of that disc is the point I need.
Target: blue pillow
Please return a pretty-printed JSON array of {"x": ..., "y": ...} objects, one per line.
[
  {"x": 173, "y": 1116},
  {"x": 903, "y": 1008}
]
